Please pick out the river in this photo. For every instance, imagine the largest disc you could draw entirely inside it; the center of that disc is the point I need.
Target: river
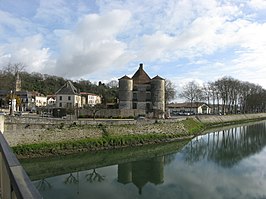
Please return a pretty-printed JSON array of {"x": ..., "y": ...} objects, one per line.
[{"x": 226, "y": 163}]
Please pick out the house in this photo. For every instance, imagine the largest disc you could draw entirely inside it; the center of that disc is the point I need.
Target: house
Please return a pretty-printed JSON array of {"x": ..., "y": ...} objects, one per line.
[
  {"x": 51, "y": 100},
  {"x": 143, "y": 93},
  {"x": 68, "y": 96},
  {"x": 90, "y": 99},
  {"x": 39, "y": 99},
  {"x": 26, "y": 100},
  {"x": 188, "y": 108}
]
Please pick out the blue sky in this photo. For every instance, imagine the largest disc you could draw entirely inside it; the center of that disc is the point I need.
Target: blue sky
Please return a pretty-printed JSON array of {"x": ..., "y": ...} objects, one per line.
[{"x": 102, "y": 40}]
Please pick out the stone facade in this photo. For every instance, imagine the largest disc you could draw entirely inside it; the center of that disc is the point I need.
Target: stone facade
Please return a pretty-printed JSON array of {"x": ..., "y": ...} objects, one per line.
[{"x": 142, "y": 92}]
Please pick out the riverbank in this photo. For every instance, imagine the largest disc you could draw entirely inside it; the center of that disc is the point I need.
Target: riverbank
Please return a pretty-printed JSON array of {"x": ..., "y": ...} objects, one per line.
[{"x": 74, "y": 137}]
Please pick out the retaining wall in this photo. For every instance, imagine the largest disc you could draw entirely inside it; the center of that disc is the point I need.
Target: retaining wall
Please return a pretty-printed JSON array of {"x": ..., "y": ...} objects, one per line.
[
  {"x": 212, "y": 119},
  {"x": 26, "y": 130}
]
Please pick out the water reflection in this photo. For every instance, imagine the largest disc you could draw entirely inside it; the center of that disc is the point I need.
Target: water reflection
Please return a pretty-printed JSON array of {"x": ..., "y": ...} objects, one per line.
[
  {"x": 224, "y": 164},
  {"x": 141, "y": 172},
  {"x": 227, "y": 147}
]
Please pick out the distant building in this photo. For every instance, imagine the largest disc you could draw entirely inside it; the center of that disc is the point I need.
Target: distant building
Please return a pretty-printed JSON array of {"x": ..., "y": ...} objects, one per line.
[
  {"x": 187, "y": 108},
  {"x": 51, "y": 100},
  {"x": 142, "y": 92},
  {"x": 68, "y": 96},
  {"x": 39, "y": 99},
  {"x": 27, "y": 100},
  {"x": 18, "y": 82},
  {"x": 90, "y": 99}
]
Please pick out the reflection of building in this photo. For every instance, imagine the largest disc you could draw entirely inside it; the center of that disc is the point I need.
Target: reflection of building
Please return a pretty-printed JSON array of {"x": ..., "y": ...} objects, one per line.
[
  {"x": 142, "y": 92},
  {"x": 142, "y": 172}
]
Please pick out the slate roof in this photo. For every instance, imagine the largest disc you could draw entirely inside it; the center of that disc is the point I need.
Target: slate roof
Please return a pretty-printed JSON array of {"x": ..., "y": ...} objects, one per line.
[
  {"x": 158, "y": 77},
  {"x": 141, "y": 77},
  {"x": 68, "y": 89},
  {"x": 124, "y": 77}
]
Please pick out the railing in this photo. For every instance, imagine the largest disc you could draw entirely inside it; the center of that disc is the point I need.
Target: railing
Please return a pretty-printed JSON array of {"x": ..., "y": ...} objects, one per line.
[{"x": 14, "y": 182}]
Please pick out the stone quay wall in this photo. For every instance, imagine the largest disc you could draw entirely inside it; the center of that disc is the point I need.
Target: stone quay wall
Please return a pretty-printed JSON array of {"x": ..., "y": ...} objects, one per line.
[{"x": 29, "y": 130}]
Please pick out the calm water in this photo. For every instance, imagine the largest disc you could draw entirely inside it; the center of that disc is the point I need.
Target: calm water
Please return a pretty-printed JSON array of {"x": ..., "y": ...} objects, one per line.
[{"x": 224, "y": 164}]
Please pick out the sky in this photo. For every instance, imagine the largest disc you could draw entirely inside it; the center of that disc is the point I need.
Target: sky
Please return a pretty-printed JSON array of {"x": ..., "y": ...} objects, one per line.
[{"x": 103, "y": 40}]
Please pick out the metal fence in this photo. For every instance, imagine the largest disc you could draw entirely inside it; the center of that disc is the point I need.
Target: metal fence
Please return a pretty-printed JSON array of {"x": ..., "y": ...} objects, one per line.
[{"x": 14, "y": 182}]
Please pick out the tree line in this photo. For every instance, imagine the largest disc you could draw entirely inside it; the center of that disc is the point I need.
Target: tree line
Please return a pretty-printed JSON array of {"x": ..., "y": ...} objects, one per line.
[
  {"x": 227, "y": 95},
  {"x": 49, "y": 84}
]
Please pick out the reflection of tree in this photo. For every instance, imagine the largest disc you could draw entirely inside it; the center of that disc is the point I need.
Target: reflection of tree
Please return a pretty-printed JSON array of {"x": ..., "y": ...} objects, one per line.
[
  {"x": 43, "y": 185},
  {"x": 71, "y": 179},
  {"x": 227, "y": 147},
  {"x": 169, "y": 158},
  {"x": 94, "y": 177}
]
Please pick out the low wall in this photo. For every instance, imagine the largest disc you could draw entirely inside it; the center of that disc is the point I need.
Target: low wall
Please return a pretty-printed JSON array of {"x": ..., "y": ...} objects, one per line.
[
  {"x": 212, "y": 119},
  {"x": 26, "y": 130},
  {"x": 115, "y": 113}
]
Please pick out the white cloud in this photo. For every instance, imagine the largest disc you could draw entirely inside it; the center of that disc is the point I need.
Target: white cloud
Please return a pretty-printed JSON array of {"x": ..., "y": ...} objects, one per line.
[
  {"x": 54, "y": 12},
  {"x": 109, "y": 35},
  {"x": 29, "y": 51},
  {"x": 258, "y": 4},
  {"x": 93, "y": 45}
]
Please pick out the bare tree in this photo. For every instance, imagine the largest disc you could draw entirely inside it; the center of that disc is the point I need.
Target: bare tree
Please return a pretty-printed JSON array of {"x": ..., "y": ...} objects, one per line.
[
  {"x": 191, "y": 92},
  {"x": 170, "y": 91},
  {"x": 15, "y": 68}
]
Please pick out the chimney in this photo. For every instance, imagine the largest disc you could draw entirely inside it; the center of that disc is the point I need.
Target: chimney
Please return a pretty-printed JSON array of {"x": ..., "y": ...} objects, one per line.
[{"x": 141, "y": 66}]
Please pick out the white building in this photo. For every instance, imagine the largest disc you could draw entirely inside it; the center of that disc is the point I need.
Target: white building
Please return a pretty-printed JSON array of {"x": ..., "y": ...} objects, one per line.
[
  {"x": 90, "y": 99},
  {"x": 40, "y": 101},
  {"x": 68, "y": 96},
  {"x": 188, "y": 108},
  {"x": 51, "y": 100}
]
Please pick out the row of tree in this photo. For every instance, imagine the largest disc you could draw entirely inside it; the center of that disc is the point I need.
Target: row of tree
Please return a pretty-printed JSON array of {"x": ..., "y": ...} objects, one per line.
[
  {"x": 48, "y": 84},
  {"x": 227, "y": 95}
]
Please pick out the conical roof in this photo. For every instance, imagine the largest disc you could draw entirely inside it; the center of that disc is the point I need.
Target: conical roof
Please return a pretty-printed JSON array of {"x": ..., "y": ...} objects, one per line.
[
  {"x": 157, "y": 77},
  {"x": 141, "y": 77},
  {"x": 125, "y": 77}
]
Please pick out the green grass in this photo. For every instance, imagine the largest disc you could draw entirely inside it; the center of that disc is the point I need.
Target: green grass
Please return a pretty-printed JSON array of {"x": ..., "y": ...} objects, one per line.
[
  {"x": 193, "y": 126},
  {"x": 107, "y": 141}
]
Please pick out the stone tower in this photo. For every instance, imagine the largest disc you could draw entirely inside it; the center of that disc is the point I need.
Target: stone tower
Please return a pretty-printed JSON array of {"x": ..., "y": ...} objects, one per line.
[
  {"x": 18, "y": 82},
  {"x": 158, "y": 94},
  {"x": 125, "y": 92},
  {"x": 142, "y": 93}
]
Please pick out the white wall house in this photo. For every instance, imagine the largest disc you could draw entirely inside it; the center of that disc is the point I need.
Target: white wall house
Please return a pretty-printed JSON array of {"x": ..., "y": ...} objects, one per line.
[
  {"x": 68, "y": 96},
  {"x": 40, "y": 101},
  {"x": 90, "y": 99},
  {"x": 188, "y": 108},
  {"x": 51, "y": 100}
]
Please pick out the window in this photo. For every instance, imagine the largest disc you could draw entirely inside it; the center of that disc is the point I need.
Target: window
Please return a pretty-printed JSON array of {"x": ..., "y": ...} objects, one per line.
[
  {"x": 134, "y": 105},
  {"x": 60, "y": 104},
  {"x": 148, "y": 96},
  {"x": 135, "y": 96},
  {"x": 60, "y": 97},
  {"x": 69, "y": 98}
]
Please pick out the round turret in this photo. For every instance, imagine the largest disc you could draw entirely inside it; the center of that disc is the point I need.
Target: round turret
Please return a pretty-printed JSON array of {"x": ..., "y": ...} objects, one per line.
[
  {"x": 158, "y": 93},
  {"x": 125, "y": 92}
]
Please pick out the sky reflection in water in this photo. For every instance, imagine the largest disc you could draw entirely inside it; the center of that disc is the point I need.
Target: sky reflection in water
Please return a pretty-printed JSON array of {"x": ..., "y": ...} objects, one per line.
[{"x": 224, "y": 164}]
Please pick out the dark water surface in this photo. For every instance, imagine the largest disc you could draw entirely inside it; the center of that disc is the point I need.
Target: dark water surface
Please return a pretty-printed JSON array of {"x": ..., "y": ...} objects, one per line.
[{"x": 219, "y": 165}]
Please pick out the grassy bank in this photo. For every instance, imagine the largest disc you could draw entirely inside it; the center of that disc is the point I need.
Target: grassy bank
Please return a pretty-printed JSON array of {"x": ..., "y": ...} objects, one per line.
[
  {"x": 110, "y": 140},
  {"x": 122, "y": 136}
]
